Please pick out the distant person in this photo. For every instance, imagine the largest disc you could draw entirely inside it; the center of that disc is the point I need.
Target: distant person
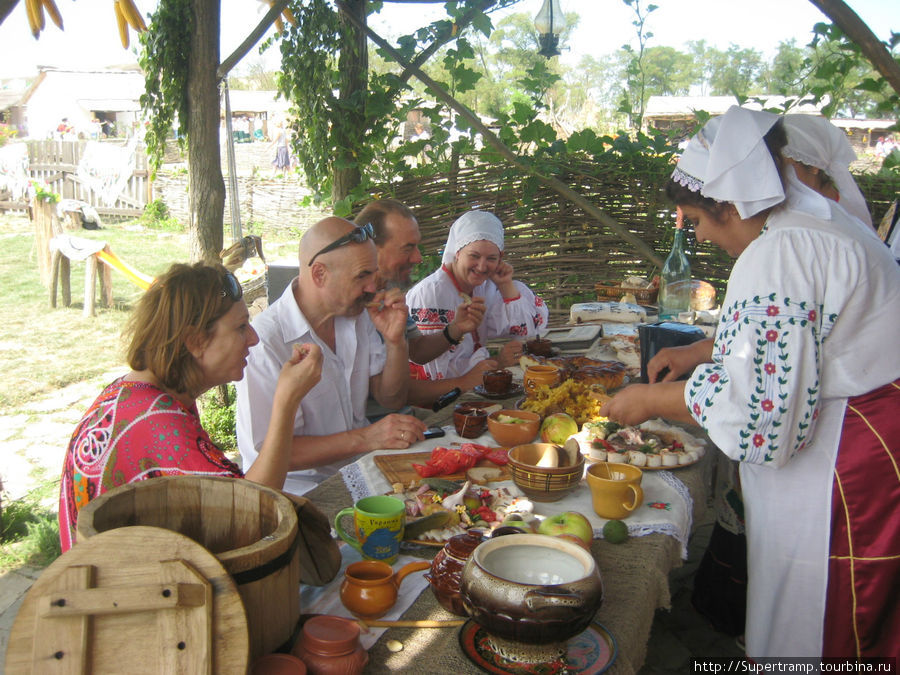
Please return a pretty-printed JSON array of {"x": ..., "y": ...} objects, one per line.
[
  {"x": 189, "y": 332},
  {"x": 821, "y": 155},
  {"x": 397, "y": 240},
  {"x": 361, "y": 331},
  {"x": 282, "y": 147},
  {"x": 473, "y": 267}
]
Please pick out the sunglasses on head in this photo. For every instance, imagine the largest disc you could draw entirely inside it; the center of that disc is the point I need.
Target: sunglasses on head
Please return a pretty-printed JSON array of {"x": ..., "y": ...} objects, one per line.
[
  {"x": 357, "y": 236},
  {"x": 231, "y": 287}
]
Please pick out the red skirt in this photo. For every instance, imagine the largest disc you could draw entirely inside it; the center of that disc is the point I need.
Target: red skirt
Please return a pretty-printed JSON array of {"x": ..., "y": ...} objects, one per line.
[{"x": 862, "y": 611}]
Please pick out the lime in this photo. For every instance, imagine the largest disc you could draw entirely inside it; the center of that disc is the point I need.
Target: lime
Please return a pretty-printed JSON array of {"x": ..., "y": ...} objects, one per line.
[{"x": 615, "y": 532}]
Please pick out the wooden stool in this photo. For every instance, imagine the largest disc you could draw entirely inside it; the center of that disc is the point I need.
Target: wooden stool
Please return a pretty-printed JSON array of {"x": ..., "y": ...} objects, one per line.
[{"x": 65, "y": 248}]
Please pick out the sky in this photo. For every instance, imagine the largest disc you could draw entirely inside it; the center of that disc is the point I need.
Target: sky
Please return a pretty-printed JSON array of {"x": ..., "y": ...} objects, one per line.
[{"x": 91, "y": 38}]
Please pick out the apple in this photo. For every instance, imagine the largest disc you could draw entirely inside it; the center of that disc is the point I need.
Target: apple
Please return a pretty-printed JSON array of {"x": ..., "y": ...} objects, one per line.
[
  {"x": 557, "y": 428},
  {"x": 568, "y": 523}
]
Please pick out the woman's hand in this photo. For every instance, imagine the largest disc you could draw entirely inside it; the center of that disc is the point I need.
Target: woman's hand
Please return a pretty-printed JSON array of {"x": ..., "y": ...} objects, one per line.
[
  {"x": 393, "y": 431},
  {"x": 503, "y": 278},
  {"x": 509, "y": 354},
  {"x": 640, "y": 402},
  {"x": 468, "y": 317},
  {"x": 678, "y": 360},
  {"x": 300, "y": 373}
]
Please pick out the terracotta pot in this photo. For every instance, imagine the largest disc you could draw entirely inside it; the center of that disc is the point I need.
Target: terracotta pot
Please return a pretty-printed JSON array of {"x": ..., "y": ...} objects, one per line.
[
  {"x": 370, "y": 587},
  {"x": 531, "y": 588},
  {"x": 447, "y": 567},
  {"x": 278, "y": 664},
  {"x": 469, "y": 421},
  {"x": 497, "y": 381},
  {"x": 539, "y": 347},
  {"x": 535, "y": 376},
  {"x": 329, "y": 645}
]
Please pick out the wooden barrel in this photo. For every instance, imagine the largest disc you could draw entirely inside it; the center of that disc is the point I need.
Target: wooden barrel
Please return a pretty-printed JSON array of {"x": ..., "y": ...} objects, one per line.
[{"x": 249, "y": 528}]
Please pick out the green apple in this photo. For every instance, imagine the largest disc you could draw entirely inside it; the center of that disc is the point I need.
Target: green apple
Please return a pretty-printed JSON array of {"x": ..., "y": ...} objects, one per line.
[
  {"x": 557, "y": 428},
  {"x": 568, "y": 523}
]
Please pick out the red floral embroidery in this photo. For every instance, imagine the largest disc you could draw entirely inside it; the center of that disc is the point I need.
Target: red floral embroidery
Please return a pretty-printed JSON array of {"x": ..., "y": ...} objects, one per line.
[
  {"x": 772, "y": 310},
  {"x": 660, "y": 506},
  {"x": 816, "y": 413},
  {"x": 812, "y": 315},
  {"x": 758, "y": 440},
  {"x": 767, "y": 405},
  {"x": 771, "y": 335},
  {"x": 714, "y": 377},
  {"x": 696, "y": 408},
  {"x": 769, "y": 368},
  {"x": 737, "y": 315}
]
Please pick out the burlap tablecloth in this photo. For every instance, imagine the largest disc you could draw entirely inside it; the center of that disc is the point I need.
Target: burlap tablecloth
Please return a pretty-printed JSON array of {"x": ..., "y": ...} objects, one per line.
[{"x": 635, "y": 579}]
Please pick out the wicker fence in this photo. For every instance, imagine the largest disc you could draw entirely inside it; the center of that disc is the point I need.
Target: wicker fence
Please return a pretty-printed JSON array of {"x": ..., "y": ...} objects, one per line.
[{"x": 554, "y": 246}]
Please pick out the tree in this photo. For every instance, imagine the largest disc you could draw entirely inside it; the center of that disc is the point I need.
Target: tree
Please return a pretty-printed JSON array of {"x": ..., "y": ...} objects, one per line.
[
  {"x": 668, "y": 72},
  {"x": 736, "y": 70}
]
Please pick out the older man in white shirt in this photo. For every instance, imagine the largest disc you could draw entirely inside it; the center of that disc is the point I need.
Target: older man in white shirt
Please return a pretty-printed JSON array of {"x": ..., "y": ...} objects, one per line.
[{"x": 362, "y": 332}]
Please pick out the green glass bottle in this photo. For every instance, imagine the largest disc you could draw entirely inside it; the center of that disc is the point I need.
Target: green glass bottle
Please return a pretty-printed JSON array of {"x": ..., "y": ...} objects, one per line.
[{"x": 675, "y": 278}]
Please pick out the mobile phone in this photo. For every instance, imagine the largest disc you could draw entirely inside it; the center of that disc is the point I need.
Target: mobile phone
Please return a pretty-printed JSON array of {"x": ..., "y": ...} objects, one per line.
[
  {"x": 434, "y": 432},
  {"x": 446, "y": 399}
]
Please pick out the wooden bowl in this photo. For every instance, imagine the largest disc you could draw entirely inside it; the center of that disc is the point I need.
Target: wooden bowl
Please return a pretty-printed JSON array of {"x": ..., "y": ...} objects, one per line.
[
  {"x": 510, "y": 434},
  {"x": 545, "y": 483}
]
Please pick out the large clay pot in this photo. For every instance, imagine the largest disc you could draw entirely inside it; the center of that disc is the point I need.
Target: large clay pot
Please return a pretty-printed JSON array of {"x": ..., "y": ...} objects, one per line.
[
  {"x": 447, "y": 567},
  {"x": 531, "y": 589}
]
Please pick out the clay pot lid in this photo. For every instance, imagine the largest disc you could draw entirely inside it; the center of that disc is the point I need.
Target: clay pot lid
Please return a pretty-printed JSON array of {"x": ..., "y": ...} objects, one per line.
[
  {"x": 330, "y": 635},
  {"x": 278, "y": 664},
  {"x": 462, "y": 545}
]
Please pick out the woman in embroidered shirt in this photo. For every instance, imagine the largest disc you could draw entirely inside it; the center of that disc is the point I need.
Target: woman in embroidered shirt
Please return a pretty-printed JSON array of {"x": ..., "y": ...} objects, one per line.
[
  {"x": 800, "y": 389},
  {"x": 189, "y": 332},
  {"x": 473, "y": 267}
]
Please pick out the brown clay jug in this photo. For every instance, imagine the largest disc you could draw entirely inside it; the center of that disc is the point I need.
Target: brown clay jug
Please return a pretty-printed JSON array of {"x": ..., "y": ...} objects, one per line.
[
  {"x": 329, "y": 645},
  {"x": 370, "y": 587},
  {"x": 447, "y": 567}
]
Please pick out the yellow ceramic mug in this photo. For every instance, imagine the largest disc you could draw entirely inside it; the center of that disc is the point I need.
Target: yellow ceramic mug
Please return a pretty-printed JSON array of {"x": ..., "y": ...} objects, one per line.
[
  {"x": 535, "y": 376},
  {"x": 615, "y": 489},
  {"x": 377, "y": 525}
]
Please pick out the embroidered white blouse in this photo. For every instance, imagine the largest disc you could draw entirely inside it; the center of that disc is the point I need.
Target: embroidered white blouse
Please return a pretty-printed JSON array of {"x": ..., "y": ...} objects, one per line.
[{"x": 432, "y": 304}]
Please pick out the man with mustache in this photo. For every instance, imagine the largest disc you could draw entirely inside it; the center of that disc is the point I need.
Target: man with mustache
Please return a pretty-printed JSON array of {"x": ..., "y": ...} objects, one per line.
[
  {"x": 397, "y": 239},
  {"x": 334, "y": 303}
]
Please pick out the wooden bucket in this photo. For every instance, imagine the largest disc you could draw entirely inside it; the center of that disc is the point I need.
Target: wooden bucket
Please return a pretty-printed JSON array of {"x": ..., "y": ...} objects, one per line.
[{"x": 249, "y": 528}]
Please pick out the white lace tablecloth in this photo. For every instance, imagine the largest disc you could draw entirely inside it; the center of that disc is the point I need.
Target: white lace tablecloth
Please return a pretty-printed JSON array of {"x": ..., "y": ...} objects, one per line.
[{"x": 667, "y": 506}]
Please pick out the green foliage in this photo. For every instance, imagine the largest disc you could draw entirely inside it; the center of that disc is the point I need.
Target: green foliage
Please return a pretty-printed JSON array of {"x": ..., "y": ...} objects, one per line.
[
  {"x": 156, "y": 216},
  {"x": 164, "y": 61},
  {"x": 43, "y": 193},
  {"x": 634, "y": 98},
  {"x": 29, "y": 532},
  {"x": 844, "y": 79},
  {"x": 218, "y": 417},
  {"x": 6, "y": 134}
]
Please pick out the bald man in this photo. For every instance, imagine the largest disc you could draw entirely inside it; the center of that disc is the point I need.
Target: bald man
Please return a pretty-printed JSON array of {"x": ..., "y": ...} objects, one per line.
[{"x": 362, "y": 332}]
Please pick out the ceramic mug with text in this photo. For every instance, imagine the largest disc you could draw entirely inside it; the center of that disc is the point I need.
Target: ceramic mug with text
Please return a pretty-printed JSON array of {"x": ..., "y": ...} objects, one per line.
[{"x": 377, "y": 527}]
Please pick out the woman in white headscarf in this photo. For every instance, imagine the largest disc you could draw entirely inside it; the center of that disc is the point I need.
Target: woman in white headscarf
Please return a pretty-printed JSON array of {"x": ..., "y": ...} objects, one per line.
[
  {"x": 821, "y": 154},
  {"x": 473, "y": 267},
  {"x": 799, "y": 387}
]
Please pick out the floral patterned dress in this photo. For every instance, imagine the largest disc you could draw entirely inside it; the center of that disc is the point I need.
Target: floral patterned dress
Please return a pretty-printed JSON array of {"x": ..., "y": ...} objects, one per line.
[
  {"x": 432, "y": 304},
  {"x": 800, "y": 391},
  {"x": 133, "y": 431}
]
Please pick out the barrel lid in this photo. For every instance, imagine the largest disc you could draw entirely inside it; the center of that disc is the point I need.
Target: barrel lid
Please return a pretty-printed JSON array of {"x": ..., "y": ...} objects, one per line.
[{"x": 118, "y": 591}]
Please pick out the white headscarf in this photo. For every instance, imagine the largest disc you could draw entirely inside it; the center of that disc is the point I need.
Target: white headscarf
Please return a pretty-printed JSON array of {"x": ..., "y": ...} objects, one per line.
[
  {"x": 469, "y": 227},
  {"x": 815, "y": 141},
  {"x": 728, "y": 161}
]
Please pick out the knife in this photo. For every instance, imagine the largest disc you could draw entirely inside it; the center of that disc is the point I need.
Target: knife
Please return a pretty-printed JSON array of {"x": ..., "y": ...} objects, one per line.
[{"x": 418, "y": 527}]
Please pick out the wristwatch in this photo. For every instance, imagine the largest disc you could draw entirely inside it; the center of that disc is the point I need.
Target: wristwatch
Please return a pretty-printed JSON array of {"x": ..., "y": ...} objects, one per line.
[{"x": 447, "y": 336}]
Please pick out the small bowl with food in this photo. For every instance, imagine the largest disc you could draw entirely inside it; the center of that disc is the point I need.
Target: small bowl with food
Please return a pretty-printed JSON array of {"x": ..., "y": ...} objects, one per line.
[
  {"x": 513, "y": 427},
  {"x": 545, "y": 472}
]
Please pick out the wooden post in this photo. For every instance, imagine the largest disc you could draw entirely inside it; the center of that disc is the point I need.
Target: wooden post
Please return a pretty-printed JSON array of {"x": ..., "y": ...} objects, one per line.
[
  {"x": 65, "y": 270},
  {"x": 90, "y": 280},
  {"x": 106, "y": 292},
  {"x": 54, "y": 277}
]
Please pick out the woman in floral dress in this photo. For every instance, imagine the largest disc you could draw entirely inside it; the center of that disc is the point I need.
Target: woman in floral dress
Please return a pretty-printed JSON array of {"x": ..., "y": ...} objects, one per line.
[
  {"x": 802, "y": 388},
  {"x": 189, "y": 332},
  {"x": 473, "y": 267}
]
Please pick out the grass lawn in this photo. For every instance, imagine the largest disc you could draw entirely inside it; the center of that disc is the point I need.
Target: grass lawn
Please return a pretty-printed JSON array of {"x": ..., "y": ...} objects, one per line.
[{"x": 44, "y": 350}]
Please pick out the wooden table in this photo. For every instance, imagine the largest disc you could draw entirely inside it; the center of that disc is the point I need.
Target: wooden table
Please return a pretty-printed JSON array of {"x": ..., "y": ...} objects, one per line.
[{"x": 635, "y": 576}]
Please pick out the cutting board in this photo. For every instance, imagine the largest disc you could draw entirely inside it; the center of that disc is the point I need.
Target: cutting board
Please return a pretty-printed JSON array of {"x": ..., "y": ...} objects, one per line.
[{"x": 399, "y": 468}]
